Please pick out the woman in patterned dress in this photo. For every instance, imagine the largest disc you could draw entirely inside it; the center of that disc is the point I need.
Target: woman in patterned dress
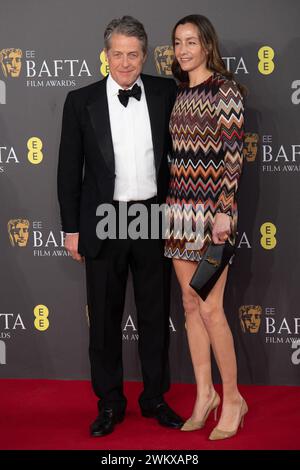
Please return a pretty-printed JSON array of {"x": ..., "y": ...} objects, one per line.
[{"x": 206, "y": 127}]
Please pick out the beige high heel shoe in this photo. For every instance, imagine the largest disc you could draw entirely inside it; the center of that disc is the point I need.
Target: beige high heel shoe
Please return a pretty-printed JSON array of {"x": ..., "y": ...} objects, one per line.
[
  {"x": 217, "y": 434},
  {"x": 191, "y": 425}
]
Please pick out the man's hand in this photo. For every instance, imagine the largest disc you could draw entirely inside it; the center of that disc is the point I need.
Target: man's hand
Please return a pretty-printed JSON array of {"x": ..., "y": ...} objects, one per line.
[
  {"x": 71, "y": 244},
  {"x": 221, "y": 228}
]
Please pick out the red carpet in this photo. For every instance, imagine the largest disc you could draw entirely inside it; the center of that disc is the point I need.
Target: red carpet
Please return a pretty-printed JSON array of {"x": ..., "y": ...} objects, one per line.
[{"x": 55, "y": 414}]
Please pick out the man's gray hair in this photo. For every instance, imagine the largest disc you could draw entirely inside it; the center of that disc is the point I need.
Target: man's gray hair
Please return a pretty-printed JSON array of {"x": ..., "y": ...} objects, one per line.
[{"x": 128, "y": 26}]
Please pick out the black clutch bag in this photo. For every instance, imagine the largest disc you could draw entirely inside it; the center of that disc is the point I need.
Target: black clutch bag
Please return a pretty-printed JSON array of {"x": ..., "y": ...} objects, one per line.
[{"x": 211, "y": 267}]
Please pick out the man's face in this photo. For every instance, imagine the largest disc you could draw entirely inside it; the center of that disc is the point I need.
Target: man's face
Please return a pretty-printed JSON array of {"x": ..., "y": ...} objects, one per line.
[
  {"x": 125, "y": 59},
  {"x": 20, "y": 234},
  {"x": 251, "y": 319},
  {"x": 13, "y": 64}
]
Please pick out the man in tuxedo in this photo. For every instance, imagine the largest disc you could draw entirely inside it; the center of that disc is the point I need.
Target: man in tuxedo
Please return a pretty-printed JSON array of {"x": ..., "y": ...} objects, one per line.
[{"x": 113, "y": 150}]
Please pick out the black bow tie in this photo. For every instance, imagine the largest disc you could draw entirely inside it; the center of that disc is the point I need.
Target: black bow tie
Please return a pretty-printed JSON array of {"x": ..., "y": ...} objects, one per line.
[{"x": 124, "y": 95}]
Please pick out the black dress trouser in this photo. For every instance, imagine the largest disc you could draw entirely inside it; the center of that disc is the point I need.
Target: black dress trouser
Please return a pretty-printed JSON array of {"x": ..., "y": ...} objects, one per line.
[{"x": 106, "y": 278}]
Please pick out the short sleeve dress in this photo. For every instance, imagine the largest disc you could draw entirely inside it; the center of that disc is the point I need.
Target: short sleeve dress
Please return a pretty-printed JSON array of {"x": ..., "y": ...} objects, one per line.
[{"x": 207, "y": 128}]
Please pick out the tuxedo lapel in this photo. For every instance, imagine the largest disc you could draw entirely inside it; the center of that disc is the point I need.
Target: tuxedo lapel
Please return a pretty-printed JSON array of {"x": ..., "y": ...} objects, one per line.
[
  {"x": 99, "y": 114},
  {"x": 155, "y": 103}
]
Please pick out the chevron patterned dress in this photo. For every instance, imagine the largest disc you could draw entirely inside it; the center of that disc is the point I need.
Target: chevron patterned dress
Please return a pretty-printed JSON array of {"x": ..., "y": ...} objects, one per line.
[{"x": 206, "y": 127}]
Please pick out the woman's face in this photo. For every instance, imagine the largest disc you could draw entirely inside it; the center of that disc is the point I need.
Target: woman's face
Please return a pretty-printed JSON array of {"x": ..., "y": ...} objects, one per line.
[{"x": 189, "y": 51}]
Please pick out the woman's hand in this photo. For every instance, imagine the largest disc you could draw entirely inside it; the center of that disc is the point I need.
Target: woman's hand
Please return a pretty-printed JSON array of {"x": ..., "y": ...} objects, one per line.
[{"x": 221, "y": 228}]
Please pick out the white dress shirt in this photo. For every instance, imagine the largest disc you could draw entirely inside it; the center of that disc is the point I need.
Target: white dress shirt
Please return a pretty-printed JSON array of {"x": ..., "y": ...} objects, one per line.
[{"x": 133, "y": 147}]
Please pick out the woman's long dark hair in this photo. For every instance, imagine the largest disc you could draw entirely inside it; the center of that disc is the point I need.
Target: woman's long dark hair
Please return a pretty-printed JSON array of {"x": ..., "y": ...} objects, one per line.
[{"x": 209, "y": 40}]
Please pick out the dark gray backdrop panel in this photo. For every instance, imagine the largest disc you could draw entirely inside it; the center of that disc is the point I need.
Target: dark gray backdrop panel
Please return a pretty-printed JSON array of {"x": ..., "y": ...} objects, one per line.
[{"x": 39, "y": 274}]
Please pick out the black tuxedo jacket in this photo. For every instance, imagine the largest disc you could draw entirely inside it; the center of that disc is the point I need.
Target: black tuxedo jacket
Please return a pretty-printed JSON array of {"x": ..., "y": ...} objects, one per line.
[{"x": 86, "y": 168}]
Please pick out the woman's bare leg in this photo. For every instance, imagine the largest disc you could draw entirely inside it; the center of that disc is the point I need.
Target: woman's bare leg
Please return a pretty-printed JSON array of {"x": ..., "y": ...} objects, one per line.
[
  {"x": 214, "y": 319},
  {"x": 198, "y": 338}
]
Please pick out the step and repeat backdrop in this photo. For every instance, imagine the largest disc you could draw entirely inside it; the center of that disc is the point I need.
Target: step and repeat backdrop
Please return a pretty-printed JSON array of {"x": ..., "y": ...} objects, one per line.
[{"x": 50, "y": 48}]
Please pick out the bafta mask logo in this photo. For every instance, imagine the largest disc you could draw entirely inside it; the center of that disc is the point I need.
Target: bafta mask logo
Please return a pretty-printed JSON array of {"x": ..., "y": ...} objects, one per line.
[
  {"x": 250, "y": 146},
  {"x": 164, "y": 56},
  {"x": 11, "y": 62},
  {"x": 250, "y": 318},
  {"x": 18, "y": 231}
]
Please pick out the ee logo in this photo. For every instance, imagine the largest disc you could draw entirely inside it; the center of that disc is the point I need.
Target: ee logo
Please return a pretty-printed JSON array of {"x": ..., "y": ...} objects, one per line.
[
  {"x": 266, "y": 55},
  {"x": 104, "y": 69},
  {"x": 268, "y": 240},
  {"x": 41, "y": 313},
  {"x": 35, "y": 154}
]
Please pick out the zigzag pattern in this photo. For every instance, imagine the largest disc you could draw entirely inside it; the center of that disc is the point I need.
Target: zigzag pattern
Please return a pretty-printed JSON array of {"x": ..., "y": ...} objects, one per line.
[{"x": 206, "y": 126}]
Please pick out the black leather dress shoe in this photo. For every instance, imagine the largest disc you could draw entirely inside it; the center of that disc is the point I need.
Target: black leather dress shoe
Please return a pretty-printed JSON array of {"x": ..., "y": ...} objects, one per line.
[
  {"x": 164, "y": 415},
  {"x": 105, "y": 423}
]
